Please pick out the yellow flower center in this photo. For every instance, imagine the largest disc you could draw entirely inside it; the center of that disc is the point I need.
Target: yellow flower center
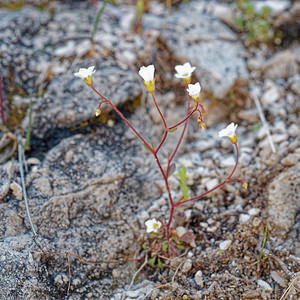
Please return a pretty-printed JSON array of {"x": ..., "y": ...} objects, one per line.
[
  {"x": 233, "y": 139},
  {"x": 88, "y": 80},
  {"x": 150, "y": 85}
]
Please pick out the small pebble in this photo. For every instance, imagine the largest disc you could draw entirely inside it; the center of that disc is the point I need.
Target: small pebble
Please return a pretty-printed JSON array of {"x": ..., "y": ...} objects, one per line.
[
  {"x": 277, "y": 278},
  {"x": 278, "y": 138},
  {"x": 187, "y": 266},
  {"x": 228, "y": 162},
  {"x": 211, "y": 183},
  {"x": 180, "y": 231},
  {"x": 132, "y": 294},
  {"x": 253, "y": 211},
  {"x": 244, "y": 218},
  {"x": 225, "y": 245},
  {"x": 199, "y": 279},
  {"x": 116, "y": 273},
  {"x": 265, "y": 285},
  {"x": 16, "y": 190},
  {"x": 33, "y": 161},
  {"x": 270, "y": 96},
  {"x": 290, "y": 160},
  {"x": 293, "y": 130}
]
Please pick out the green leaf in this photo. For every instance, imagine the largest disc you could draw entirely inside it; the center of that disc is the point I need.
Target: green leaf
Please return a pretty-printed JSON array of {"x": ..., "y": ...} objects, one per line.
[
  {"x": 265, "y": 11},
  {"x": 148, "y": 149},
  {"x": 151, "y": 261},
  {"x": 144, "y": 246},
  {"x": 97, "y": 19},
  {"x": 264, "y": 241},
  {"x": 159, "y": 263},
  {"x": 256, "y": 127},
  {"x": 239, "y": 21},
  {"x": 181, "y": 174},
  {"x": 172, "y": 130},
  {"x": 164, "y": 246}
]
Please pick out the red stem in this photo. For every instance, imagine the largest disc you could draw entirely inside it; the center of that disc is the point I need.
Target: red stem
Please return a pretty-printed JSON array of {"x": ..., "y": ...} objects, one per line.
[
  {"x": 216, "y": 187},
  {"x": 181, "y": 136},
  {"x": 152, "y": 150},
  {"x": 169, "y": 194},
  {"x": 162, "y": 117},
  {"x": 185, "y": 119},
  {"x": 124, "y": 119},
  {"x": 168, "y": 167},
  {"x": 162, "y": 141},
  {"x": 1, "y": 103}
]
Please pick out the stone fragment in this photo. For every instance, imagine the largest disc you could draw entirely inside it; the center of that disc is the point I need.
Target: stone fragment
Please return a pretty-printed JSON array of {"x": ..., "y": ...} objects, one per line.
[
  {"x": 290, "y": 160},
  {"x": 210, "y": 184},
  {"x": 244, "y": 218},
  {"x": 279, "y": 279},
  {"x": 249, "y": 115},
  {"x": 253, "y": 211},
  {"x": 207, "y": 44},
  {"x": 180, "y": 231},
  {"x": 270, "y": 96},
  {"x": 284, "y": 200},
  {"x": 187, "y": 266},
  {"x": 7, "y": 172},
  {"x": 228, "y": 162},
  {"x": 282, "y": 65},
  {"x": 224, "y": 245},
  {"x": 295, "y": 84},
  {"x": 16, "y": 190},
  {"x": 264, "y": 285},
  {"x": 294, "y": 130},
  {"x": 199, "y": 278}
]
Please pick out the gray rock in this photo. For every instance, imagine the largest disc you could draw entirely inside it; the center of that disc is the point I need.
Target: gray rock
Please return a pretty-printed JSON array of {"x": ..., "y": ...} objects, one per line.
[
  {"x": 264, "y": 285},
  {"x": 283, "y": 199},
  {"x": 224, "y": 245},
  {"x": 290, "y": 160},
  {"x": 294, "y": 130},
  {"x": 82, "y": 208},
  {"x": 187, "y": 266},
  {"x": 16, "y": 46},
  {"x": 270, "y": 96},
  {"x": 68, "y": 101},
  {"x": 20, "y": 272},
  {"x": 207, "y": 44},
  {"x": 249, "y": 115},
  {"x": 276, "y": 7},
  {"x": 295, "y": 84},
  {"x": 7, "y": 172},
  {"x": 282, "y": 65},
  {"x": 244, "y": 218}
]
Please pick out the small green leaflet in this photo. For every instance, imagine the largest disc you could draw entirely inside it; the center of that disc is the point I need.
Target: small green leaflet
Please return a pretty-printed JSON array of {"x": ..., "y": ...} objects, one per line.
[{"x": 181, "y": 174}]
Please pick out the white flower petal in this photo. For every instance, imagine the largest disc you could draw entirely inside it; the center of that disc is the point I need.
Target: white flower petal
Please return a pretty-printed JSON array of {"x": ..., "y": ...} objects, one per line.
[
  {"x": 84, "y": 73},
  {"x": 229, "y": 131},
  {"x": 152, "y": 225},
  {"x": 184, "y": 71},
  {"x": 194, "y": 89},
  {"x": 147, "y": 73}
]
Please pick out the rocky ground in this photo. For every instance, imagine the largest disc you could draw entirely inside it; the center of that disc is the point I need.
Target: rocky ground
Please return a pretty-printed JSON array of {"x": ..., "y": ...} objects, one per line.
[{"x": 91, "y": 185}]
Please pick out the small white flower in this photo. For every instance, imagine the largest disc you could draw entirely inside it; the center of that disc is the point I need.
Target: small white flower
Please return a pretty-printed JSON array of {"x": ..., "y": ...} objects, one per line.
[
  {"x": 184, "y": 71},
  {"x": 229, "y": 131},
  {"x": 85, "y": 73},
  {"x": 147, "y": 73},
  {"x": 194, "y": 90},
  {"x": 152, "y": 225}
]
